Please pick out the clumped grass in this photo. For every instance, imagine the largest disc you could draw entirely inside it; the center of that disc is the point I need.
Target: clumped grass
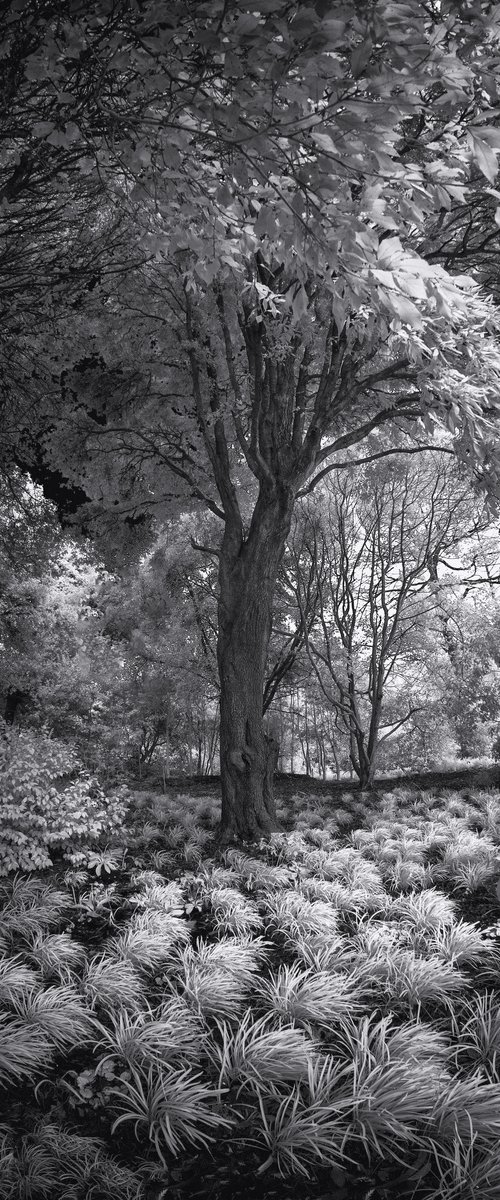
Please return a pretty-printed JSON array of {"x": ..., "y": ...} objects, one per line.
[
  {"x": 327, "y": 1001},
  {"x": 259, "y": 1051},
  {"x": 424, "y": 911},
  {"x": 158, "y": 896},
  {"x": 151, "y": 1038},
  {"x": 58, "y": 1012},
  {"x": 30, "y": 907},
  {"x": 289, "y": 913},
  {"x": 56, "y": 954},
  {"x": 232, "y": 912},
  {"x": 52, "y": 1162},
  {"x": 215, "y": 979},
  {"x": 404, "y": 875},
  {"x": 465, "y": 1171},
  {"x": 308, "y": 996},
  {"x": 148, "y": 940},
  {"x": 417, "y": 980},
  {"x": 320, "y": 951},
  {"x": 477, "y": 1031},
  {"x": 464, "y": 943},
  {"x": 173, "y": 1107},
  {"x": 255, "y": 873},
  {"x": 109, "y": 983},
  {"x": 241, "y": 957},
  {"x": 341, "y": 897},
  {"x": 25, "y": 1050},
  {"x": 15, "y": 979},
  {"x": 467, "y": 1108}
]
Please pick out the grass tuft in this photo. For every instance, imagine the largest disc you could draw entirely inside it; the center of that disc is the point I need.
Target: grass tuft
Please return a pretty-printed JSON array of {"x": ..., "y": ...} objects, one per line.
[
  {"x": 308, "y": 996},
  {"x": 258, "y": 1051},
  {"x": 173, "y": 1107}
]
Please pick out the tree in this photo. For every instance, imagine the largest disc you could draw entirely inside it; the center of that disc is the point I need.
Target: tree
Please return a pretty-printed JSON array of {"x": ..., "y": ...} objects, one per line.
[
  {"x": 284, "y": 313},
  {"x": 160, "y": 613},
  {"x": 30, "y": 539},
  {"x": 375, "y": 541}
]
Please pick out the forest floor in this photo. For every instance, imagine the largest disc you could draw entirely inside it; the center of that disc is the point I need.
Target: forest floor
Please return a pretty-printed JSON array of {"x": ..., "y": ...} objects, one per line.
[
  {"x": 453, "y": 779},
  {"x": 319, "y": 1015}
]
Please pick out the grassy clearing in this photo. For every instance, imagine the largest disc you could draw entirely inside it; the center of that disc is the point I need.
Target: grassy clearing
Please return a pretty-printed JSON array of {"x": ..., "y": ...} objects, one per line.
[{"x": 320, "y": 1012}]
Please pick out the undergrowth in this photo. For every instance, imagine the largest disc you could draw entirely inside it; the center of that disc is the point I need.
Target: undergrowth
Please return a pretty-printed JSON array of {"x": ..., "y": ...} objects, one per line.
[{"x": 319, "y": 1012}]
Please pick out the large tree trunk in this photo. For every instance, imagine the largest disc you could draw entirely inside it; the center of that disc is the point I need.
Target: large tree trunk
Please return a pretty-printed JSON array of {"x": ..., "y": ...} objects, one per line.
[{"x": 247, "y": 579}]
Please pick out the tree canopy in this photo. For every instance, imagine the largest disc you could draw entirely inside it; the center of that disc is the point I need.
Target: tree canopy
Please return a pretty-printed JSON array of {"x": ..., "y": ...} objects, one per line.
[{"x": 264, "y": 282}]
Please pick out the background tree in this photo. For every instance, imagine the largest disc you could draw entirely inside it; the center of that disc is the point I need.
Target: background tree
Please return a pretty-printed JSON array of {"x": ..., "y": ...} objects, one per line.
[{"x": 376, "y": 537}]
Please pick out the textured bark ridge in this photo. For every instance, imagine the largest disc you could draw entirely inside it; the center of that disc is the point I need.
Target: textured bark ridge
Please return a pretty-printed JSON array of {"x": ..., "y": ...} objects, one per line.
[
  {"x": 248, "y": 755},
  {"x": 248, "y": 807}
]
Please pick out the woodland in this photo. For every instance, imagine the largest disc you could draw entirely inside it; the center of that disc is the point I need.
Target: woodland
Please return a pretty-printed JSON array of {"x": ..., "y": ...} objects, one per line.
[{"x": 249, "y": 599}]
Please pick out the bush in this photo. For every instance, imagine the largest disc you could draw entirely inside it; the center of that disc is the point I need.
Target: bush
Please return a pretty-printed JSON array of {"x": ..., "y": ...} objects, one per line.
[{"x": 42, "y": 810}]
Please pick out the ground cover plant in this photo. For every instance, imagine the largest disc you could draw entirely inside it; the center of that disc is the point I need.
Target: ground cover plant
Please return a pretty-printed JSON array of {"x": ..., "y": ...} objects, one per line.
[{"x": 320, "y": 1011}]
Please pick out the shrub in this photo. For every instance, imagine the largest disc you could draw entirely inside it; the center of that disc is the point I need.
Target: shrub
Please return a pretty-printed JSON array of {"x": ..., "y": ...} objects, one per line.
[{"x": 39, "y": 812}]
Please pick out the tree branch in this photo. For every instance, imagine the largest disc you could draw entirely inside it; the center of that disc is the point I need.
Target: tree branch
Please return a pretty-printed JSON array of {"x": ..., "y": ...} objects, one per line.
[{"x": 359, "y": 462}]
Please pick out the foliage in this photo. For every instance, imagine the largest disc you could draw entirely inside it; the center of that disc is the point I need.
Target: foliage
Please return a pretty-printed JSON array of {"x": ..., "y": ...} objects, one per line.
[
  {"x": 57, "y": 1012},
  {"x": 308, "y": 997},
  {"x": 50, "y": 1161},
  {"x": 173, "y": 1105},
  {"x": 41, "y": 815},
  {"x": 25, "y": 1052},
  {"x": 360, "y": 1034},
  {"x": 261, "y": 1051},
  {"x": 143, "y": 1040}
]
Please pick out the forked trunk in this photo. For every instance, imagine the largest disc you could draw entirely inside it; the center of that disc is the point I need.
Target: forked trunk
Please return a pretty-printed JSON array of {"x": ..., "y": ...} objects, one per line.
[{"x": 366, "y": 775}]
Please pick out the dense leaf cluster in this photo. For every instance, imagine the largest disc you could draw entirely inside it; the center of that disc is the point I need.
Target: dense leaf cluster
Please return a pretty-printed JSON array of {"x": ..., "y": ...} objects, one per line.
[{"x": 48, "y": 805}]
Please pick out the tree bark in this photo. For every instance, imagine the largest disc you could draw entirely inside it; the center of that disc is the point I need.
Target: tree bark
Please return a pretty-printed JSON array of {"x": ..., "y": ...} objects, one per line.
[{"x": 247, "y": 579}]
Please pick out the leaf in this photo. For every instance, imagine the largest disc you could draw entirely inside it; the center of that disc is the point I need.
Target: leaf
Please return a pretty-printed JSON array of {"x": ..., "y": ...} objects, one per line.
[
  {"x": 386, "y": 278},
  {"x": 489, "y": 134},
  {"x": 484, "y": 156},
  {"x": 324, "y": 141},
  {"x": 389, "y": 248},
  {"x": 413, "y": 285},
  {"x": 264, "y": 6},
  {"x": 266, "y": 221},
  {"x": 64, "y": 137},
  {"x": 300, "y": 303},
  {"x": 143, "y": 154},
  {"x": 35, "y": 69},
  {"x": 246, "y": 25},
  {"x": 407, "y": 312},
  {"x": 360, "y": 57},
  {"x": 42, "y": 128},
  {"x": 86, "y": 165}
]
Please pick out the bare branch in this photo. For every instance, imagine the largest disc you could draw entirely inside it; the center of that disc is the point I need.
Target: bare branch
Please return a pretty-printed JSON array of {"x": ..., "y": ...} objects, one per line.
[{"x": 360, "y": 462}]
